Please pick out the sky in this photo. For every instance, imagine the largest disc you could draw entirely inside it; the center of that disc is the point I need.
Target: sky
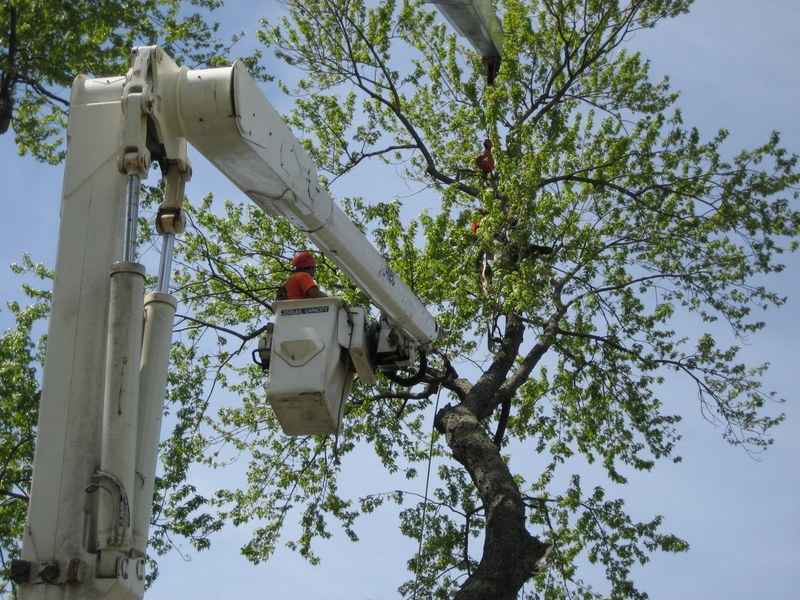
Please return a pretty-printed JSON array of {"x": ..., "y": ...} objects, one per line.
[{"x": 736, "y": 64}]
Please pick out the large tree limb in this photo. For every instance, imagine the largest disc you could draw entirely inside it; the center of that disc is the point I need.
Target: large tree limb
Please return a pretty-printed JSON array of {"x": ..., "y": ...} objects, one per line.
[
  {"x": 510, "y": 552},
  {"x": 8, "y": 78},
  {"x": 482, "y": 399}
]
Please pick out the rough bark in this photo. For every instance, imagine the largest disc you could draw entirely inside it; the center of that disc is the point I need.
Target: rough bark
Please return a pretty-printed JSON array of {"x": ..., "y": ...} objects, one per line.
[
  {"x": 8, "y": 77},
  {"x": 510, "y": 552}
]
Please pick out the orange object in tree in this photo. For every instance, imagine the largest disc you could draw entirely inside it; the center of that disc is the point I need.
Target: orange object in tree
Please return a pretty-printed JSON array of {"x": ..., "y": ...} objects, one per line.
[{"x": 485, "y": 161}]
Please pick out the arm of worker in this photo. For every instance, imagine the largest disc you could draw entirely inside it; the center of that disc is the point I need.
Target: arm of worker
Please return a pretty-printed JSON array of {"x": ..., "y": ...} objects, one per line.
[{"x": 315, "y": 292}]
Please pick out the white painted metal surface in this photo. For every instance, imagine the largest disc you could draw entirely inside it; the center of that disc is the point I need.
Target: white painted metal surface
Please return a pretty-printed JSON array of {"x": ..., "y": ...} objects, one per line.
[
  {"x": 120, "y": 415},
  {"x": 84, "y": 465},
  {"x": 59, "y": 526},
  {"x": 228, "y": 119},
  {"x": 309, "y": 380},
  {"x": 159, "y": 314},
  {"x": 476, "y": 21},
  {"x": 352, "y": 330}
]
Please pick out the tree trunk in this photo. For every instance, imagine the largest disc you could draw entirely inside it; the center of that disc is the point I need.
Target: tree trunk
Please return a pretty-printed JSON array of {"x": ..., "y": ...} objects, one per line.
[
  {"x": 8, "y": 76},
  {"x": 510, "y": 553},
  {"x": 6, "y": 107}
]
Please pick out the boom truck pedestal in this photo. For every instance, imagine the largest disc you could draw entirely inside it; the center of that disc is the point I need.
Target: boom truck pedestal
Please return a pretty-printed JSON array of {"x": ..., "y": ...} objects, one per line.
[{"x": 108, "y": 342}]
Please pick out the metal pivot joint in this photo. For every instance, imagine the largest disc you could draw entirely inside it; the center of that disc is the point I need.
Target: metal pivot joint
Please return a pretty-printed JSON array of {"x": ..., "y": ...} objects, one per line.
[{"x": 170, "y": 219}]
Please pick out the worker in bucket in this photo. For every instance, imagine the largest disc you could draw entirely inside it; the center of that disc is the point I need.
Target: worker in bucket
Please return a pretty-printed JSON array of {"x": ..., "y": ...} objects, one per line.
[{"x": 301, "y": 284}]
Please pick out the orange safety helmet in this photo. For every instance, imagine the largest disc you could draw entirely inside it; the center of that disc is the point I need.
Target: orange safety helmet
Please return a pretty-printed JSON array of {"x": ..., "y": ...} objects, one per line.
[{"x": 303, "y": 260}]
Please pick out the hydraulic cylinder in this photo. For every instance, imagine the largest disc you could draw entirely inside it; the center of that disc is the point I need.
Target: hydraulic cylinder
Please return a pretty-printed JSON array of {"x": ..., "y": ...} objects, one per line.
[
  {"x": 120, "y": 413},
  {"x": 159, "y": 313}
]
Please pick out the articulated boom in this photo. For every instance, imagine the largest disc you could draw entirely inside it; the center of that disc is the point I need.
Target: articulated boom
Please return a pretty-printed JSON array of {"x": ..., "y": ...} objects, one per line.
[{"x": 108, "y": 341}]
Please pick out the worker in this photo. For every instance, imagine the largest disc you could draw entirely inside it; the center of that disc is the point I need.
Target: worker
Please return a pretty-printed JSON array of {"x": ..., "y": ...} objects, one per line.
[
  {"x": 301, "y": 284},
  {"x": 485, "y": 161},
  {"x": 501, "y": 245}
]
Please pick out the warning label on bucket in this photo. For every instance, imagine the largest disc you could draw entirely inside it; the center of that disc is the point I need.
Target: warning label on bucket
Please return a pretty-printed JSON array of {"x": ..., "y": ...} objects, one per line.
[{"x": 289, "y": 312}]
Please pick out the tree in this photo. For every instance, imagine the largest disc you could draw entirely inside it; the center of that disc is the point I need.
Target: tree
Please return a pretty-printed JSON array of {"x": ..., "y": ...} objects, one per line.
[
  {"x": 45, "y": 44},
  {"x": 657, "y": 241},
  {"x": 21, "y": 355},
  {"x": 658, "y": 248}
]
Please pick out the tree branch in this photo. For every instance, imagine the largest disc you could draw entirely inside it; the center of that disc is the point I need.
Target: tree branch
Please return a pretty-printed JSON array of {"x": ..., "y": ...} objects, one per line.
[
  {"x": 16, "y": 495},
  {"x": 243, "y": 338}
]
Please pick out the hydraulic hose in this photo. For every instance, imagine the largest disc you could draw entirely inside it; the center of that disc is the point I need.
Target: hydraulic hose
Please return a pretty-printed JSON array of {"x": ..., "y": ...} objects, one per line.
[{"x": 412, "y": 380}]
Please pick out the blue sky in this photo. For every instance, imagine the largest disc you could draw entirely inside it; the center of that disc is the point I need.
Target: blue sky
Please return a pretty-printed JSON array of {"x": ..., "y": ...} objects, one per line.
[{"x": 736, "y": 64}]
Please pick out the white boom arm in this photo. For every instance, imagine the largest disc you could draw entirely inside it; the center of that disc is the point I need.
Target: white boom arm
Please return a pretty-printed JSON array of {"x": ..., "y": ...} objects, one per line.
[
  {"x": 229, "y": 121},
  {"x": 477, "y": 22},
  {"x": 108, "y": 342}
]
